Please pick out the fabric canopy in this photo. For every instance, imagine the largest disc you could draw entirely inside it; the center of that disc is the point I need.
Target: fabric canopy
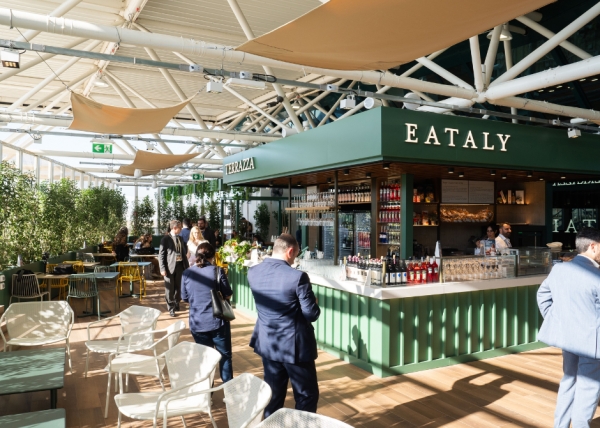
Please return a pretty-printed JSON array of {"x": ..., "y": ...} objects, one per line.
[
  {"x": 91, "y": 116},
  {"x": 381, "y": 34},
  {"x": 151, "y": 163}
]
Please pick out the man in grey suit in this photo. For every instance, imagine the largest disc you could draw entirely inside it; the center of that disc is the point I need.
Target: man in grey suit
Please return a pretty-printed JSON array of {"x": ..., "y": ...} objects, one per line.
[
  {"x": 172, "y": 261},
  {"x": 569, "y": 300}
]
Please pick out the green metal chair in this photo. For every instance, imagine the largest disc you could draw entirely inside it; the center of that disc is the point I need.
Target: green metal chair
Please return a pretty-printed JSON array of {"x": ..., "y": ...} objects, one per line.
[{"x": 84, "y": 286}]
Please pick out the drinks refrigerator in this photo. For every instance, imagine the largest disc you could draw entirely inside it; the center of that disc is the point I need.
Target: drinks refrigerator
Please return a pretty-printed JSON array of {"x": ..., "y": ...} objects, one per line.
[{"x": 354, "y": 235}]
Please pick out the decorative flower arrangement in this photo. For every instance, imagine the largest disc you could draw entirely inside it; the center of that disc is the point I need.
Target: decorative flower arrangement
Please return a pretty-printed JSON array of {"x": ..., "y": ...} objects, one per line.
[{"x": 234, "y": 252}]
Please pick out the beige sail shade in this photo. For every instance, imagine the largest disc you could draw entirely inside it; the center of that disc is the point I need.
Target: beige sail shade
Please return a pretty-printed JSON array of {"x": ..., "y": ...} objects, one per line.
[
  {"x": 381, "y": 34},
  {"x": 90, "y": 116},
  {"x": 151, "y": 163}
]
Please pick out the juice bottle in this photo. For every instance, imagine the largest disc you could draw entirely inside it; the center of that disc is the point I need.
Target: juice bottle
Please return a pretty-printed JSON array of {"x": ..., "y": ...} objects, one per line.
[
  {"x": 417, "y": 270},
  {"x": 436, "y": 271}
]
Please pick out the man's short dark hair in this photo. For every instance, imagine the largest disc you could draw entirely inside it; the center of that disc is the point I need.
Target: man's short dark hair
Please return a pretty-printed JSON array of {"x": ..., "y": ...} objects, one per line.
[
  {"x": 585, "y": 237},
  {"x": 174, "y": 223},
  {"x": 283, "y": 242},
  {"x": 505, "y": 223},
  {"x": 186, "y": 222},
  {"x": 202, "y": 217}
]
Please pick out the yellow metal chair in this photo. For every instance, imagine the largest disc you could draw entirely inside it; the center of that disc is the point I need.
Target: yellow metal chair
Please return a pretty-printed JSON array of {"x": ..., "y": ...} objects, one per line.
[
  {"x": 60, "y": 284},
  {"x": 77, "y": 265},
  {"x": 129, "y": 271}
]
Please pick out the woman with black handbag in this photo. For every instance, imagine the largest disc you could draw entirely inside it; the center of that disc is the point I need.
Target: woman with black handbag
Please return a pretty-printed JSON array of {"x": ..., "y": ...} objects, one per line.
[{"x": 206, "y": 288}]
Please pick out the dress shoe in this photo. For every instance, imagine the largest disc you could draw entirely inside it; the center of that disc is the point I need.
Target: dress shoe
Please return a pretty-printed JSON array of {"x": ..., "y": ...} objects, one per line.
[
  {"x": 172, "y": 312},
  {"x": 177, "y": 308}
]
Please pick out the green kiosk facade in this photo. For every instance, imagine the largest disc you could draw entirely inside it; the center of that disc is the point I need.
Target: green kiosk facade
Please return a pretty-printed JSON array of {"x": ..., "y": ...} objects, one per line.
[{"x": 467, "y": 170}]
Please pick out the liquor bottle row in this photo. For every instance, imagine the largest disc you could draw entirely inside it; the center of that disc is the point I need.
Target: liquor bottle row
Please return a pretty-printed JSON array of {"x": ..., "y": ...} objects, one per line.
[
  {"x": 392, "y": 271},
  {"x": 390, "y": 234},
  {"x": 389, "y": 191},
  {"x": 312, "y": 200},
  {"x": 364, "y": 240},
  {"x": 354, "y": 194},
  {"x": 389, "y": 213}
]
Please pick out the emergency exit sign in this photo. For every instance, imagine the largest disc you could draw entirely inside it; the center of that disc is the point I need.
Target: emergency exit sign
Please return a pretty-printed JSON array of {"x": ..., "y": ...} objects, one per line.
[
  {"x": 198, "y": 177},
  {"x": 101, "y": 148}
]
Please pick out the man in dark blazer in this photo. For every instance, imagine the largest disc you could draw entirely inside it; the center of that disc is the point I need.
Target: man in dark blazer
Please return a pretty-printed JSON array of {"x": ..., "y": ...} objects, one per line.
[
  {"x": 172, "y": 260},
  {"x": 206, "y": 232},
  {"x": 284, "y": 336}
]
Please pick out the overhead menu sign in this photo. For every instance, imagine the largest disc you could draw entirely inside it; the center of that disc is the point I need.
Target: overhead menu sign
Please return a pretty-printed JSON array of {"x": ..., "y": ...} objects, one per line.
[
  {"x": 101, "y": 148},
  {"x": 481, "y": 192},
  {"x": 455, "y": 191}
]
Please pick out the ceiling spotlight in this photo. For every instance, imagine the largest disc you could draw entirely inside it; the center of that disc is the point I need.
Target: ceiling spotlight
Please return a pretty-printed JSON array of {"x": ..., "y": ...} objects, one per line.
[
  {"x": 368, "y": 175},
  {"x": 461, "y": 174},
  {"x": 574, "y": 133},
  {"x": 541, "y": 178},
  {"x": 582, "y": 80},
  {"x": 504, "y": 176},
  {"x": 492, "y": 172},
  {"x": 562, "y": 176},
  {"x": 270, "y": 183},
  {"x": 346, "y": 171},
  {"x": 137, "y": 173},
  {"x": 594, "y": 79},
  {"x": 348, "y": 103},
  {"x": 450, "y": 170},
  {"x": 541, "y": 90},
  {"x": 10, "y": 58},
  {"x": 371, "y": 102},
  {"x": 559, "y": 86},
  {"x": 37, "y": 138},
  {"x": 386, "y": 166},
  {"x": 299, "y": 184},
  {"x": 551, "y": 90},
  {"x": 329, "y": 180},
  {"x": 529, "y": 174}
]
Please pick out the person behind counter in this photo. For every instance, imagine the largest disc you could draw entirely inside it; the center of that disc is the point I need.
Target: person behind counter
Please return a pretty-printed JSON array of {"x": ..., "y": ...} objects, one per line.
[
  {"x": 120, "y": 248},
  {"x": 503, "y": 239},
  {"x": 487, "y": 240}
]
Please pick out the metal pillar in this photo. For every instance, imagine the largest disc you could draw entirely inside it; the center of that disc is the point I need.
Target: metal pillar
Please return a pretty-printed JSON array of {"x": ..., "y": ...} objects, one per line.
[
  {"x": 223, "y": 218},
  {"x": 279, "y": 219},
  {"x": 51, "y": 175}
]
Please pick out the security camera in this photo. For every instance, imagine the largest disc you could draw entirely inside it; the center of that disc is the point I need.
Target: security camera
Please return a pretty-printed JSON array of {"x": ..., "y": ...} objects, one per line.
[
  {"x": 214, "y": 87},
  {"x": 332, "y": 88},
  {"x": 574, "y": 133}
]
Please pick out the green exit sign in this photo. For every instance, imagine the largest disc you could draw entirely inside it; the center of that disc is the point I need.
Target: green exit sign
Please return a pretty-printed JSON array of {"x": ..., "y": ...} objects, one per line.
[
  {"x": 198, "y": 176},
  {"x": 101, "y": 148}
]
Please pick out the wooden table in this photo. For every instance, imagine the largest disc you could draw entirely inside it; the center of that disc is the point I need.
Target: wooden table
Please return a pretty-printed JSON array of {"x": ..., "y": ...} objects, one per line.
[
  {"x": 55, "y": 418},
  {"x": 33, "y": 370}
]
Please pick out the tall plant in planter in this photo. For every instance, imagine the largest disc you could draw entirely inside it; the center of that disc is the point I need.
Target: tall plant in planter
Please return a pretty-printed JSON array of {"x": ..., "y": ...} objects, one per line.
[
  {"x": 59, "y": 220},
  {"x": 165, "y": 214},
  {"x": 101, "y": 212},
  {"x": 19, "y": 215},
  {"x": 262, "y": 217},
  {"x": 142, "y": 218},
  {"x": 214, "y": 214}
]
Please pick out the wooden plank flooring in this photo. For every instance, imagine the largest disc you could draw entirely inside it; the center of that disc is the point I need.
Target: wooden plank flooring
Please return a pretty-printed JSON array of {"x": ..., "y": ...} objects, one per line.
[{"x": 511, "y": 391}]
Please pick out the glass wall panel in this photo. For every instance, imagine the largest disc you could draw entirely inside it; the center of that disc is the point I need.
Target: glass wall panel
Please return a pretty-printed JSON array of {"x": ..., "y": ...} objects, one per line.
[{"x": 44, "y": 170}]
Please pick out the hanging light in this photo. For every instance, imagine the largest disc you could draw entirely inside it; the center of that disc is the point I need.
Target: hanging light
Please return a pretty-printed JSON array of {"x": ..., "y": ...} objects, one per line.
[
  {"x": 529, "y": 174},
  {"x": 492, "y": 172},
  {"x": 346, "y": 171},
  {"x": 461, "y": 174},
  {"x": 504, "y": 176},
  {"x": 10, "y": 58}
]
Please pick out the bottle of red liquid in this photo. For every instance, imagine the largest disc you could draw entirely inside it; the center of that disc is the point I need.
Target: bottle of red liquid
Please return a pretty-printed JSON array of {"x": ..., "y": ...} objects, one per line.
[
  {"x": 424, "y": 278},
  {"x": 430, "y": 276},
  {"x": 417, "y": 270},
  {"x": 410, "y": 273},
  {"x": 436, "y": 271}
]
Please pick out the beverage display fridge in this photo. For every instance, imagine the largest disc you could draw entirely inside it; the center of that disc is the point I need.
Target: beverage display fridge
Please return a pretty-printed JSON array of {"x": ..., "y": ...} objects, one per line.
[{"x": 354, "y": 235}]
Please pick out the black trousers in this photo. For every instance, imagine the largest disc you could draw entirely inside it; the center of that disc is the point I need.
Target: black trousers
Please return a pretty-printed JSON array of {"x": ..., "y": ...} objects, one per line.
[
  {"x": 173, "y": 286},
  {"x": 304, "y": 384}
]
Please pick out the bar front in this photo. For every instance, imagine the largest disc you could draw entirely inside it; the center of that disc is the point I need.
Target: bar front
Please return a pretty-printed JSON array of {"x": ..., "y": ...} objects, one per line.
[{"x": 393, "y": 209}]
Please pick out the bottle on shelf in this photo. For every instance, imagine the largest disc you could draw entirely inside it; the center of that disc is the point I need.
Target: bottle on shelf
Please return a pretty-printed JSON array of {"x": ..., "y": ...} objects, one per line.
[
  {"x": 410, "y": 272},
  {"x": 417, "y": 270},
  {"x": 436, "y": 270},
  {"x": 403, "y": 273}
]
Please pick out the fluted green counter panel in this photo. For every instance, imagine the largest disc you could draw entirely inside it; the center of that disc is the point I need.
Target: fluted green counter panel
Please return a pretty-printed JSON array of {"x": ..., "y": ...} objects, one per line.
[{"x": 404, "y": 335}]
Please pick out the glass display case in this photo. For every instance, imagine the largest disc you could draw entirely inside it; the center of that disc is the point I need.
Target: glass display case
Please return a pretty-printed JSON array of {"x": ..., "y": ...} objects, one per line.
[
  {"x": 534, "y": 260},
  {"x": 475, "y": 268}
]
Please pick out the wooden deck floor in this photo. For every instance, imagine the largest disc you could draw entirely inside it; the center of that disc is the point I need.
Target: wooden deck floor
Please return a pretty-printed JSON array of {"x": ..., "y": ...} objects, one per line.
[{"x": 511, "y": 391}]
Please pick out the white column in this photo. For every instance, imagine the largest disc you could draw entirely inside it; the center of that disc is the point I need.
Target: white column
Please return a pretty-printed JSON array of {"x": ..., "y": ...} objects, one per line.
[
  {"x": 51, "y": 175},
  {"x": 37, "y": 169}
]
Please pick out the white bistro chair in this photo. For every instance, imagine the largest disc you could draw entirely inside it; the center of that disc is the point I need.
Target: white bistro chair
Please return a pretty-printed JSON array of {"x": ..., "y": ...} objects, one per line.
[
  {"x": 135, "y": 319},
  {"x": 191, "y": 369},
  {"x": 145, "y": 365},
  {"x": 26, "y": 287},
  {"x": 38, "y": 323},
  {"x": 299, "y": 419}
]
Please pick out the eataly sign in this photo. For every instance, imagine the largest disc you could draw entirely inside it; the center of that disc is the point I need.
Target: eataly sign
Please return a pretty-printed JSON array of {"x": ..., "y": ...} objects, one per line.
[{"x": 453, "y": 137}]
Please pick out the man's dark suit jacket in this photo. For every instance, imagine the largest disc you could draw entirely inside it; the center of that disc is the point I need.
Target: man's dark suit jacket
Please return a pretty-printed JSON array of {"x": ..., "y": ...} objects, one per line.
[
  {"x": 209, "y": 235},
  {"x": 167, "y": 257},
  {"x": 286, "y": 308}
]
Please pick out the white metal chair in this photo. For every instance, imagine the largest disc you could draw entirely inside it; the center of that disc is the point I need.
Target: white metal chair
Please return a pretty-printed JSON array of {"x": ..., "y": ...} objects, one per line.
[
  {"x": 135, "y": 319},
  {"x": 26, "y": 287},
  {"x": 145, "y": 365},
  {"x": 38, "y": 323},
  {"x": 191, "y": 369},
  {"x": 299, "y": 419},
  {"x": 246, "y": 397}
]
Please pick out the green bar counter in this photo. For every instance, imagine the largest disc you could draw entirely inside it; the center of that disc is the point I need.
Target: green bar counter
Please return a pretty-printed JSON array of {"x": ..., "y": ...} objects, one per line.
[{"x": 396, "y": 330}]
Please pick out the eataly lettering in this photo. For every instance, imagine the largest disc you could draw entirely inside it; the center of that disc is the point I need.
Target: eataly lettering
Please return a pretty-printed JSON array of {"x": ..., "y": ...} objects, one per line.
[{"x": 453, "y": 137}]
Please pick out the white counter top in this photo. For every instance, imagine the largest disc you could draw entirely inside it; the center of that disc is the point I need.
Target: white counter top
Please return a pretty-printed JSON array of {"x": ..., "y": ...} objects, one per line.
[{"x": 384, "y": 293}]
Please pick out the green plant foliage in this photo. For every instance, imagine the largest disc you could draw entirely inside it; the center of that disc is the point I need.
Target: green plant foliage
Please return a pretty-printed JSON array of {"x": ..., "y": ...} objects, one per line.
[
  {"x": 262, "y": 218},
  {"x": 191, "y": 212},
  {"x": 143, "y": 217},
  {"x": 213, "y": 208},
  {"x": 165, "y": 214},
  {"x": 55, "y": 217}
]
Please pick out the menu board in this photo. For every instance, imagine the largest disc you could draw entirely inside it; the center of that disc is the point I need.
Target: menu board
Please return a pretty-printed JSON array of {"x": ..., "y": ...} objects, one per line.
[
  {"x": 455, "y": 192},
  {"x": 481, "y": 192}
]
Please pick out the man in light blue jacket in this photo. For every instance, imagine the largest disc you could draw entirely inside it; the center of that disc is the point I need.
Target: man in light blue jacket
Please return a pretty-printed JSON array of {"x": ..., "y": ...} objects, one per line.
[{"x": 569, "y": 300}]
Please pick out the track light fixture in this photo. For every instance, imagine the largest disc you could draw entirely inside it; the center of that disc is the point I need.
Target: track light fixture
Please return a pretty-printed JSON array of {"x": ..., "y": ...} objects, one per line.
[
  {"x": 461, "y": 174},
  {"x": 270, "y": 183},
  {"x": 348, "y": 103},
  {"x": 329, "y": 180},
  {"x": 504, "y": 176},
  {"x": 346, "y": 171},
  {"x": 10, "y": 58},
  {"x": 529, "y": 174},
  {"x": 492, "y": 172},
  {"x": 386, "y": 166},
  {"x": 562, "y": 176},
  {"x": 368, "y": 175},
  {"x": 299, "y": 184},
  {"x": 450, "y": 170},
  {"x": 541, "y": 178}
]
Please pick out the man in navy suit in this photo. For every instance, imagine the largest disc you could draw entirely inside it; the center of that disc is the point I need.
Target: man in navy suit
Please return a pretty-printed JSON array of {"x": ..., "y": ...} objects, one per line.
[
  {"x": 284, "y": 336},
  {"x": 569, "y": 300}
]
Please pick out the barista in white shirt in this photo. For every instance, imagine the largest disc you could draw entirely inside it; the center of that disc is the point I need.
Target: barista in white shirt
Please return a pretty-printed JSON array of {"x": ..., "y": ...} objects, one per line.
[{"x": 503, "y": 238}]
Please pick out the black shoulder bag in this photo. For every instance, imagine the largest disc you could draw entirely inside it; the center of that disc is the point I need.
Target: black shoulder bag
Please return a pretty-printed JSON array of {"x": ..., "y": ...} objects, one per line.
[{"x": 221, "y": 307}]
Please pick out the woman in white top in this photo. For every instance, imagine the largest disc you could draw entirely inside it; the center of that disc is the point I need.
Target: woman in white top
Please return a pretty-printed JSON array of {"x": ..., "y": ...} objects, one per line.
[{"x": 196, "y": 239}]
